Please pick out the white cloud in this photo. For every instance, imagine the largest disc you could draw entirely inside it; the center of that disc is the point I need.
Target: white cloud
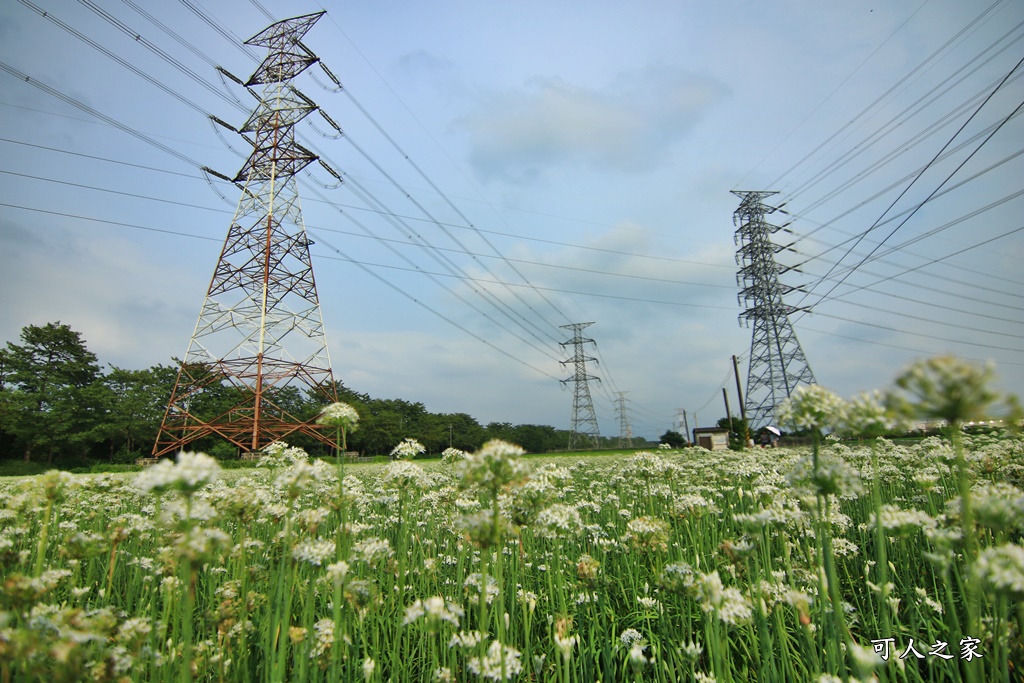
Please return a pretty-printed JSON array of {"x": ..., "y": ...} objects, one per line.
[
  {"x": 127, "y": 306},
  {"x": 627, "y": 126}
]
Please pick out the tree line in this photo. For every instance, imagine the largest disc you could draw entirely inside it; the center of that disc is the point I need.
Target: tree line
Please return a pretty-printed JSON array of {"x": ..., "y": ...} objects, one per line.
[{"x": 58, "y": 405}]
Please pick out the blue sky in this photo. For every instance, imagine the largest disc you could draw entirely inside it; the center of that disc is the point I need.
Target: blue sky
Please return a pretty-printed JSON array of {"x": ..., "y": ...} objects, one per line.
[{"x": 573, "y": 159}]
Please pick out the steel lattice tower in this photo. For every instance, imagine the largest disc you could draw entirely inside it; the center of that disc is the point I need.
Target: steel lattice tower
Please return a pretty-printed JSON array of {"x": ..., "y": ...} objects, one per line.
[
  {"x": 777, "y": 362},
  {"x": 625, "y": 431},
  {"x": 584, "y": 421},
  {"x": 260, "y": 330}
]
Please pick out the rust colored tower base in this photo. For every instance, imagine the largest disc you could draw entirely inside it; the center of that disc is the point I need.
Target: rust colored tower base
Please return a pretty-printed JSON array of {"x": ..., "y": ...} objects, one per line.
[{"x": 220, "y": 400}]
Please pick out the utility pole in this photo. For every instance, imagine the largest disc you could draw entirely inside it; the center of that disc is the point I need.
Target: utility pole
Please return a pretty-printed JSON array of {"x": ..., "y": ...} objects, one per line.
[
  {"x": 739, "y": 397},
  {"x": 777, "y": 361},
  {"x": 625, "y": 431},
  {"x": 584, "y": 430},
  {"x": 260, "y": 329},
  {"x": 728, "y": 413}
]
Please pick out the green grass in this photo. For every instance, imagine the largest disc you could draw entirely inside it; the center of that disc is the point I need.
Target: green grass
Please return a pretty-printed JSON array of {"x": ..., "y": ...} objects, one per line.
[{"x": 606, "y": 567}]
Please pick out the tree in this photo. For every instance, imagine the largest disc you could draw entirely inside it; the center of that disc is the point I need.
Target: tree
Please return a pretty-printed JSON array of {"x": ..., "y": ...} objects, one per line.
[
  {"x": 673, "y": 439},
  {"x": 51, "y": 396},
  {"x": 464, "y": 432},
  {"x": 537, "y": 438},
  {"x": 380, "y": 431},
  {"x": 136, "y": 403},
  {"x": 500, "y": 430},
  {"x": 737, "y": 427}
]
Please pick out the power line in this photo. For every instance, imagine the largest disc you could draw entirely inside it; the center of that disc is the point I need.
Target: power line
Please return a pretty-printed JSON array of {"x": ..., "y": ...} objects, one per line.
[
  {"x": 109, "y": 120},
  {"x": 895, "y": 153},
  {"x": 436, "y": 312},
  {"x": 381, "y": 212},
  {"x": 931, "y": 262},
  {"x": 1016, "y": 349},
  {"x": 913, "y": 349},
  {"x": 776, "y": 182},
  {"x": 911, "y": 316},
  {"x": 506, "y": 310},
  {"x": 901, "y": 119},
  {"x": 902, "y": 247},
  {"x": 133, "y": 226},
  {"x": 467, "y": 278},
  {"x": 826, "y": 99},
  {"x": 959, "y": 166},
  {"x": 103, "y": 117},
  {"x": 131, "y": 67}
]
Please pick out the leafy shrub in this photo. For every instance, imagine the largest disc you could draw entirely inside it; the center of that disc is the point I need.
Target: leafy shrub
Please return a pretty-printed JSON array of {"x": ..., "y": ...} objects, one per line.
[{"x": 20, "y": 468}]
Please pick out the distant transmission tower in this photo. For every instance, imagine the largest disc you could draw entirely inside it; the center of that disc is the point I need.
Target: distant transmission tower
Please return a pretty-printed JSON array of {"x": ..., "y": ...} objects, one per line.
[
  {"x": 584, "y": 429},
  {"x": 777, "y": 362},
  {"x": 260, "y": 334},
  {"x": 625, "y": 431}
]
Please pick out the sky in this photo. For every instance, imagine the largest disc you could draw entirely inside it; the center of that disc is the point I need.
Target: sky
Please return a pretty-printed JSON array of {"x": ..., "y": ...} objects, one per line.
[{"x": 556, "y": 162}]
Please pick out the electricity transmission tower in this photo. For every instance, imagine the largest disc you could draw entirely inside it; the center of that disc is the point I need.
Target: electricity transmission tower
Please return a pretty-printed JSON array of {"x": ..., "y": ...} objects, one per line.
[
  {"x": 777, "y": 362},
  {"x": 260, "y": 334},
  {"x": 584, "y": 429},
  {"x": 625, "y": 431}
]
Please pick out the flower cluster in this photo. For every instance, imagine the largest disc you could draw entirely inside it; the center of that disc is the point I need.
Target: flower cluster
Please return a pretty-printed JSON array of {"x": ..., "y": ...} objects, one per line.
[
  {"x": 501, "y": 663},
  {"x": 867, "y": 415},
  {"x": 945, "y": 388},
  {"x": 191, "y": 472},
  {"x": 729, "y": 604},
  {"x": 1002, "y": 569},
  {"x": 408, "y": 449},
  {"x": 339, "y": 415},
  {"x": 496, "y": 465},
  {"x": 434, "y": 611},
  {"x": 403, "y": 475},
  {"x": 451, "y": 455},
  {"x": 648, "y": 533},
  {"x": 811, "y": 406},
  {"x": 558, "y": 521}
]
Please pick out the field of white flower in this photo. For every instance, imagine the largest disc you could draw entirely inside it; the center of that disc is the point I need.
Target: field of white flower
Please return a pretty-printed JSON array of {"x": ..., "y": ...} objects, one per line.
[
  {"x": 840, "y": 562},
  {"x": 767, "y": 565}
]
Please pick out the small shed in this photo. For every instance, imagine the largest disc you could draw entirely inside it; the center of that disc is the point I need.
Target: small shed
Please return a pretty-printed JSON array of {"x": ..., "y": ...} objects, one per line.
[{"x": 711, "y": 438}]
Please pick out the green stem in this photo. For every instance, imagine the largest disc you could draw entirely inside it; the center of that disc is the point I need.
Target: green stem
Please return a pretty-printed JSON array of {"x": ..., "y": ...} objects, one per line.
[
  {"x": 189, "y": 607},
  {"x": 970, "y": 539},
  {"x": 835, "y": 596},
  {"x": 243, "y": 635},
  {"x": 482, "y": 606},
  {"x": 43, "y": 539},
  {"x": 112, "y": 562},
  {"x": 282, "y": 619},
  {"x": 881, "y": 555}
]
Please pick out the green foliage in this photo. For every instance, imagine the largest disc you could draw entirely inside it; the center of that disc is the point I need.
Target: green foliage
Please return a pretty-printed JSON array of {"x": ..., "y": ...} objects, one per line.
[
  {"x": 51, "y": 400},
  {"x": 57, "y": 405},
  {"x": 20, "y": 468},
  {"x": 223, "y": 450},
  {"x": 673, "y": 439},
  {"x": 738, "y": 434},
  {"x": 112, "y": 468},
  {"x": 136, "y": 401}
]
